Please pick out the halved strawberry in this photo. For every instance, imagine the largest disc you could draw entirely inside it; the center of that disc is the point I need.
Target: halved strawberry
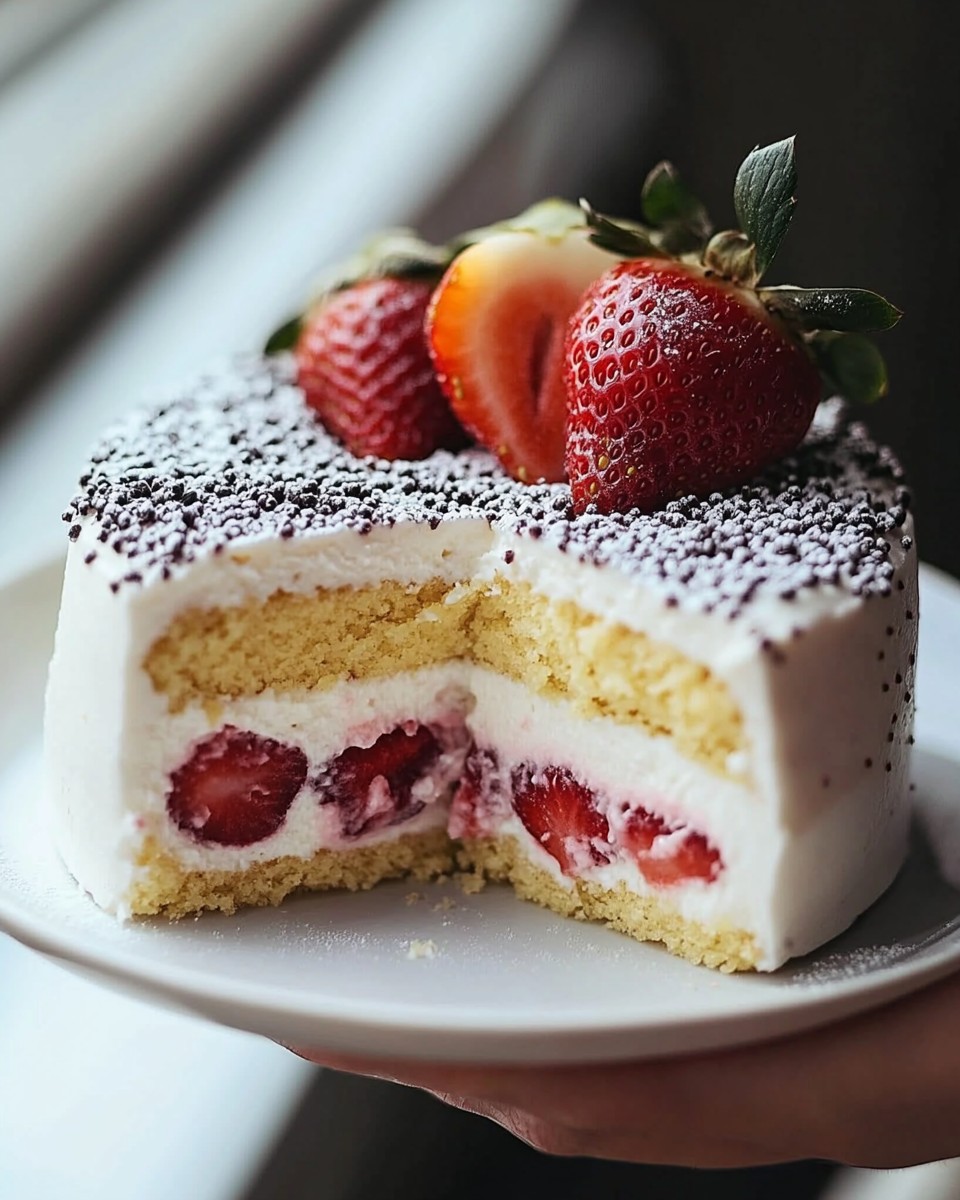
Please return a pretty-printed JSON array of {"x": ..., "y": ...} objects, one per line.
[
  {"x": 496, "y": 328},
  {"x": 668, "y": 854},
  {"x": 373, "y": 785},
  {"x": 559, "y": 811},
  {"x": 236, "y": 787}
]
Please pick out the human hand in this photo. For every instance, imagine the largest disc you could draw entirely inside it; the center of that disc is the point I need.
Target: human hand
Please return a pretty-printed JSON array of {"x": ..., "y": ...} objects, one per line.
[{"x": 878, "y": 1090}]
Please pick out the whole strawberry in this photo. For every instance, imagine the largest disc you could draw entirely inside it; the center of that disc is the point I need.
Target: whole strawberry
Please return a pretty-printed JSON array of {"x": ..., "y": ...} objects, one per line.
[
  {"x": 683, "y": 376},
  {"x": 362, "y": 357}
]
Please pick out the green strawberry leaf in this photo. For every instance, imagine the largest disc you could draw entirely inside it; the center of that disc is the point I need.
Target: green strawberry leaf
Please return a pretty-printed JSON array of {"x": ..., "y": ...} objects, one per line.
[
  {"x": 392, "y": 254},
  {"x": 851, "y": 364},
  {"x": 763, "y": 196},
  {"x": 624, "y": 238},
  {"x": 284, "y": 338},
  {"x": 850, "y": 310},
  {"x": 666, "y": 200}
]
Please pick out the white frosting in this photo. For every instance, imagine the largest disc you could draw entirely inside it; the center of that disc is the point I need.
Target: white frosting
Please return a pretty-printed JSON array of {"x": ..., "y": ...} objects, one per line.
[{"x": 807, "y": 845}]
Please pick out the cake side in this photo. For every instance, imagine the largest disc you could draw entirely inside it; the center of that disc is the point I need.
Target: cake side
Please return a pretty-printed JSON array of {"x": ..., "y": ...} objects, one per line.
[
  {"x": 165, "y": 886},
  {"x": 648, "y": 918}
]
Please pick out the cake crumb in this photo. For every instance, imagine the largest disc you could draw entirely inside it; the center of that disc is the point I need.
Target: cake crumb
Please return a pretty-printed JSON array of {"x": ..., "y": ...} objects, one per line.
[
  {"x": 422, "y": 948},
  {"x": 459, "y": 591},
  {"x": 444, "y": 905},
  {"x": 411, "y": 898},
  {"x": 471, "y": 882}
]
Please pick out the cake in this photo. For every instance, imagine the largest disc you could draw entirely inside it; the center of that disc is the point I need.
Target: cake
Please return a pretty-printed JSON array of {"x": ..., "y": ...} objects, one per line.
[{"x": 284, "y": 666}]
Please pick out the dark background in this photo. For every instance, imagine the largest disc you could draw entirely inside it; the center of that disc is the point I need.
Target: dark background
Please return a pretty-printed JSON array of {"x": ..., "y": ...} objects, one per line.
[
  {"x": 870, "y": 89},
  {"x": 871, "y": 92}
]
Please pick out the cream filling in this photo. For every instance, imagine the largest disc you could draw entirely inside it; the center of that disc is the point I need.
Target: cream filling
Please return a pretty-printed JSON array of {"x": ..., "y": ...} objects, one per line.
[
  {"x": 623, "y": 766},
  {"x": 322, "y": 725}
]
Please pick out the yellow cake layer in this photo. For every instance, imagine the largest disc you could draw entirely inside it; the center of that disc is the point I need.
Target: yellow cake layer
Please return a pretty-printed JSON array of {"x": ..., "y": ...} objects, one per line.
[
  {"x": 164, "y": 886},
  {"x": 601, "y": 668},
  {"x": 646, "y": 918}
]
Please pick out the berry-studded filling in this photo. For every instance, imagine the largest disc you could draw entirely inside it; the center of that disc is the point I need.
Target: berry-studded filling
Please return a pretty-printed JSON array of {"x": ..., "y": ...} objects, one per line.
[
  {"x": 482, "y": 800},
  {"x": 236, "y": 787},
  {"x": 668, "y": 853},
  {"x": 561, "y": 813},
  {"x": 570, "y": 821},
  {"x": 392, "y": 780}
]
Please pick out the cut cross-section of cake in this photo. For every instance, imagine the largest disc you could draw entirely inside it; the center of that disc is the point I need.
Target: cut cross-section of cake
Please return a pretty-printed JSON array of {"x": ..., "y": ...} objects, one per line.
[{"x": 279, "y": 667}]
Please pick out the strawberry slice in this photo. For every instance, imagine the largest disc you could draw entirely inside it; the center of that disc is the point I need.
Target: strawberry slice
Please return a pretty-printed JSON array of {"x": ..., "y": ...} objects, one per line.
[
  {"x": 683, "y": 856},
  {"x": 559, "y": 812},
  {"x": 373, "y": 786},
  {"x": 479, "y": 801},
  {"x": 236, "y": 787},
  {"x": 496, "y": 327}
]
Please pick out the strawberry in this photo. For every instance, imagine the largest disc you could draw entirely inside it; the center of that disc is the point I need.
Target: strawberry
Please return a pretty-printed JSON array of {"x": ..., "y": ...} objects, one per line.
[
  {"x": 496, "y": 327},
  {"x": 559, "y": 812},
  {"x": 362, "y": 358},
  {"x": 483, "y": 799},
  {"x": 682, "y": 375},
  {"x": 236, "y": 787},
  {"x": 685, "y": 856},
  {"x": 373, "y": 786},
  {"x": 677, "y": 385}
]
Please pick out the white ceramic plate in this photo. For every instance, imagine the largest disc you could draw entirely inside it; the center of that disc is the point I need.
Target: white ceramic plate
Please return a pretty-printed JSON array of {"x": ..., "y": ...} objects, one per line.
[{"x": 507, "y": 981}]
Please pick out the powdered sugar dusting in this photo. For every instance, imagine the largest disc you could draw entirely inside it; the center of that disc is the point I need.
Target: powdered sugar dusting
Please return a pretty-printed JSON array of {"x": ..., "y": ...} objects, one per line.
[{"x": 849, "y": 964}]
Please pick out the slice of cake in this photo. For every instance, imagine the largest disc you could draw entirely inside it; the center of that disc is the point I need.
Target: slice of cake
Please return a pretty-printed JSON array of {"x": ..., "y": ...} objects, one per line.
[{"x": 284, "y": 665}]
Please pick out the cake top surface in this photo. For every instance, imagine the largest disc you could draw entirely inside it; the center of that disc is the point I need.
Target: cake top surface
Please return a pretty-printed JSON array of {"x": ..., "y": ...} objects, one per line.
[{"x": 239, "y": 456}]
